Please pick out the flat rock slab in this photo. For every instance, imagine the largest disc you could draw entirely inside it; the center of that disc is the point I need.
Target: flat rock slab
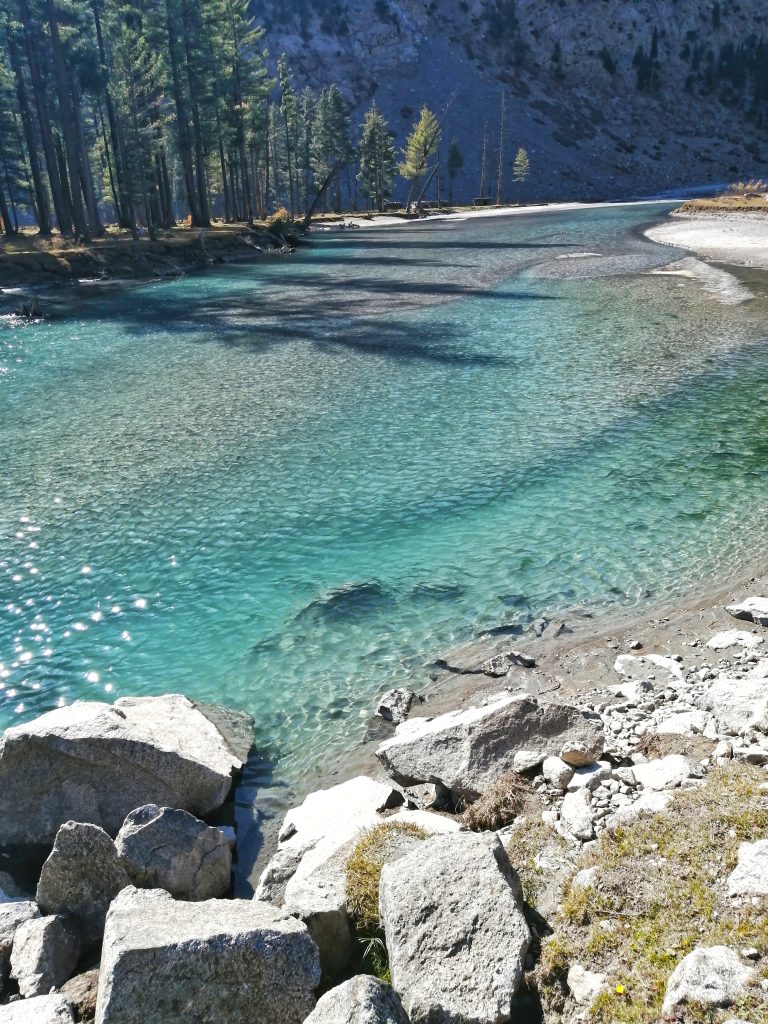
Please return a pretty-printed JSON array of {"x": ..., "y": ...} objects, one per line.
[
  {"x": 81, "y": 877},
  {"x": 684, "y": 723},
  {"x": 45, "y": 954},
  {"x": 754, "y": 609},
  {"x": 664, "y": 772},
  {"x": 467, "y": 751},
  {"x": 40, "y": 1010},
  {"x": 737, "y": 704},
  {"x": 166, "y": 848},
  {"x": 95, "y": 762},
  {"x": 750, "y": 876},
  {"x": 220, "y": 960},
  {"x": 455, "y": 930},
  {"x": 639, "y": 666},
  {"x": 361, "y": 1000},
  {"x": 649, "y": 802},
  {"x": 733, "y": 638},
  {"x": 710, "y": 976}
]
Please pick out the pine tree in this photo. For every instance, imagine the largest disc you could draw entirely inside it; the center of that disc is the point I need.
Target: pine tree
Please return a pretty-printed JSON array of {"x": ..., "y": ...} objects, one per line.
[
  {"x": 521, "y": 167},
  {"x": 455, "y": 164},
  {"x": 331, "y": 147},
  {"x": 420, "y": 147},
  {"x": 377, "y": 158}
]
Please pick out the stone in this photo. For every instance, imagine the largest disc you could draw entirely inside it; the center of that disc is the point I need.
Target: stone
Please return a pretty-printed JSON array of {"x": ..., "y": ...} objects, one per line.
[
  {"x": 95, "y": 762},
  {"x": 557, "y": 772},
  {"x": 165, "y": 848},
  {"x": 634, "y": 666},
  {"x": 455, "y": 930},
  {"x": 81, "y": 877},
  {"x": 81, "y": 991},
  {"x": 585, "y": 986},
  {"x": 576, "y": 815},
  {"x": 361, "y": 1000},
  {"x": 590, "y": 776},
  {"x": 13, "y": 914},
  {"x": 165, "y": 961},
  {"x": 684, "y": 723},
  {"x": 585, "y": 879},
  {"x": 754, "y": 609},
  {"x": 325, "y": 821},
  {"x": 40, "y": 1010},
  {"x": 733, "y": 638},
  {"x": 737, "y": 704},
  {"x": 649, "y": 802},
  {"x": 395, "y": 705},
  {"x": 664, "y": 772},
  {"x": 433, "y": 824},
  {"x": 468, "y": 750},
  {"x": 710, "y": 976},
  {"x": 44, "y": 955},
  {"x": 750, "y": 876},
  {"x": 10, "y": 891},
  {"x": 500, "y": 664},
  {"x": 577, "y": 754}
]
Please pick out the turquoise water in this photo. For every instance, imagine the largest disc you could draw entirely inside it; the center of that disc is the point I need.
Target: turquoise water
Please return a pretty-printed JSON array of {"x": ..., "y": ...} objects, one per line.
[{"x": 287, "y": 486}]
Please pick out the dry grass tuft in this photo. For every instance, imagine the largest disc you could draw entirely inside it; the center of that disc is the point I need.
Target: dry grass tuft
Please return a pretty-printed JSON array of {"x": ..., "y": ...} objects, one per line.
[
  {"x": 364, "y": 870},
  {"x": 500, "y": 804}
]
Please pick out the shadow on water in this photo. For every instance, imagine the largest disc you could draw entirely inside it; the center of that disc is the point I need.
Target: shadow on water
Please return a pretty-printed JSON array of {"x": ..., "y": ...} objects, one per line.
[{"x": 259, "y": 805}]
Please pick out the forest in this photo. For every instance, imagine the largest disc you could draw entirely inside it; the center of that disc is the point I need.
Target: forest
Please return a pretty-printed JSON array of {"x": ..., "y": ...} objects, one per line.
[{"x": 155, "y": 112}]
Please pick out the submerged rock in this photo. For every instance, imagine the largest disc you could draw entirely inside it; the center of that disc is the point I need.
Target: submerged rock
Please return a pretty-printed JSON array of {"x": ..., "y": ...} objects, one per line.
[
  {"x": 467, "y": 751},
  {"x": 710, "y": 976},
  {"x": 394, "y": 705},
  {"x": 45, "y": 953},
  {"x": 81, "y": 877},
  {"x": 220, "y": 960},
  {"x": 361, "y": 1000},
  {"x": 95, "y": 762},
  {"x": 164, "y": 848},
  {"x": 455, "y": 930}
]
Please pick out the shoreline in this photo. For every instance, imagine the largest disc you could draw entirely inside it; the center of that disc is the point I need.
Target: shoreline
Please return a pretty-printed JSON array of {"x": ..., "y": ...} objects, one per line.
[{"x": 729, "y": 237}]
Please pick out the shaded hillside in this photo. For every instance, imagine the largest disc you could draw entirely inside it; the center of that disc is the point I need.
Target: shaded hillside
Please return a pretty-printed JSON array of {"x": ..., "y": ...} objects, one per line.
[{"x": 609, "y": 98}]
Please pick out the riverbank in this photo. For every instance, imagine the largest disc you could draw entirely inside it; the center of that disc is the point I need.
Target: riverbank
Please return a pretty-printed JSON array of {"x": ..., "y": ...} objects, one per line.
[{"x": 733, "y": 234}]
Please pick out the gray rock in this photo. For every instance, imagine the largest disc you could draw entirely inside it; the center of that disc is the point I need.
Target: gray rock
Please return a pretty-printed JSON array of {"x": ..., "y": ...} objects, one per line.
[
  {"x": 710, "y": 976},
  {"x": 325, "y": 821},
  {"x": 649, "y": 802},
  {"x": 664, "y": 772},
  {"x": 13, "y": 914},
  {"x": 733, "y": 638},
  {"x": 10, "y": 891},
  {"x": 361, "y": 1000},
  {"x": 500, "y": 664},
  {"x": 635, "y": 666},
  {"x": 557, "y": 772},
  {"x": 585, "y": 986},
  {"x": 81, "y": 877},
  {"x": 754, "y": 609},
  {"x": 750, "y": 876},
  {"x": 590, "y": 776},
  {"x": 684, "y": 723},
  {"x": 81, "y": 992},
  {"x": 96, "y": 762},
  {"x": 40, "y": 1010},
  {"x": 455, "y": 930},
  {"x": 468, "y": 750},
  {"x": 738, "y": 704},
  {"x": 576, "y": 814},
  {"x": 166, "y": 961},
  {"x": 395, "y": 705},
  {"x": 164, "y": 848},
  {"x": 45, "y": 954}
]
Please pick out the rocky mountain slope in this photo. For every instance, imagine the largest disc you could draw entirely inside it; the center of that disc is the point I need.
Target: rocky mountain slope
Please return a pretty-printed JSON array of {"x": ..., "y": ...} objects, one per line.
[{"x": 609, "y": 98}]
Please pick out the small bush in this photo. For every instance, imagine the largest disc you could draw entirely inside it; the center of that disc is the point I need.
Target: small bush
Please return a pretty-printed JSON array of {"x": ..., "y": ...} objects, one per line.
[{"x": 499, "y": 805}]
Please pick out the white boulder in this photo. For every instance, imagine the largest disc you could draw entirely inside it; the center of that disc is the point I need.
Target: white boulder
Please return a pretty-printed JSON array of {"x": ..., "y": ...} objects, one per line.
[
  {"x": 576, "y": 815},
  {"x": 664, "y": 772},
  {"x": 733, "y": 638},
  {"x": 750, "y": 876},
  {"x": 361, "y": 1000},
  {"x": 753, "y": 609},
  {"x": 711, "y": 976},
  {"x": 585, "y": 986}
]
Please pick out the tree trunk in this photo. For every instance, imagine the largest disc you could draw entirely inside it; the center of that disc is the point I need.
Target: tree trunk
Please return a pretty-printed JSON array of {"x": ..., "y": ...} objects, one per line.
[
  {"x": 42, "y": 206},
  {"x": 122, "y": 201},
  {"x": 182, "y": 118}
]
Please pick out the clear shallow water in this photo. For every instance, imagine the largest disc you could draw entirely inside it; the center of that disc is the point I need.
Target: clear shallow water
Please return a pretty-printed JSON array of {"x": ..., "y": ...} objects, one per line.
[{"x": 286, "y": 486}]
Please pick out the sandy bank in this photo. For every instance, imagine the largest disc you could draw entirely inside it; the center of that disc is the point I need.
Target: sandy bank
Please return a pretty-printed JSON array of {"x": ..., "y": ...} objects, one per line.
[{"x": 738, "y": 239}]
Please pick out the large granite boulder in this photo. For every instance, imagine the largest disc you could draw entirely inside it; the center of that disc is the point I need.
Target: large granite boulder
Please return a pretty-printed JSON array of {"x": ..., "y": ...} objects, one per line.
[
  {"x": 738, "y": 704},
  {"x": 467, "y": 751},
  {"x": 13, "y": 914},
  {"x": 361, "y": 1000},
  {"x": 45, "y": 954},
  {"x": 164, "y": 848},
  {"x": 710, "y": 976},
  {"x": 455, "y": 929},
  {"x": 81, "y": 877},
  {"x": 96, "y": 762},
  {"x": 39, "y": 1010},
  {"x": 322, "y": 824},
  {"x": 218, "y": 960},
  {"x": 753, "y": 609}
]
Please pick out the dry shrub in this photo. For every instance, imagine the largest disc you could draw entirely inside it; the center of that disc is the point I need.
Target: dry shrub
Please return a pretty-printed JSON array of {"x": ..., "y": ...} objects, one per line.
[
  {"x": 372, "y": 852},
  {"x": 500, "y": 804}
]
